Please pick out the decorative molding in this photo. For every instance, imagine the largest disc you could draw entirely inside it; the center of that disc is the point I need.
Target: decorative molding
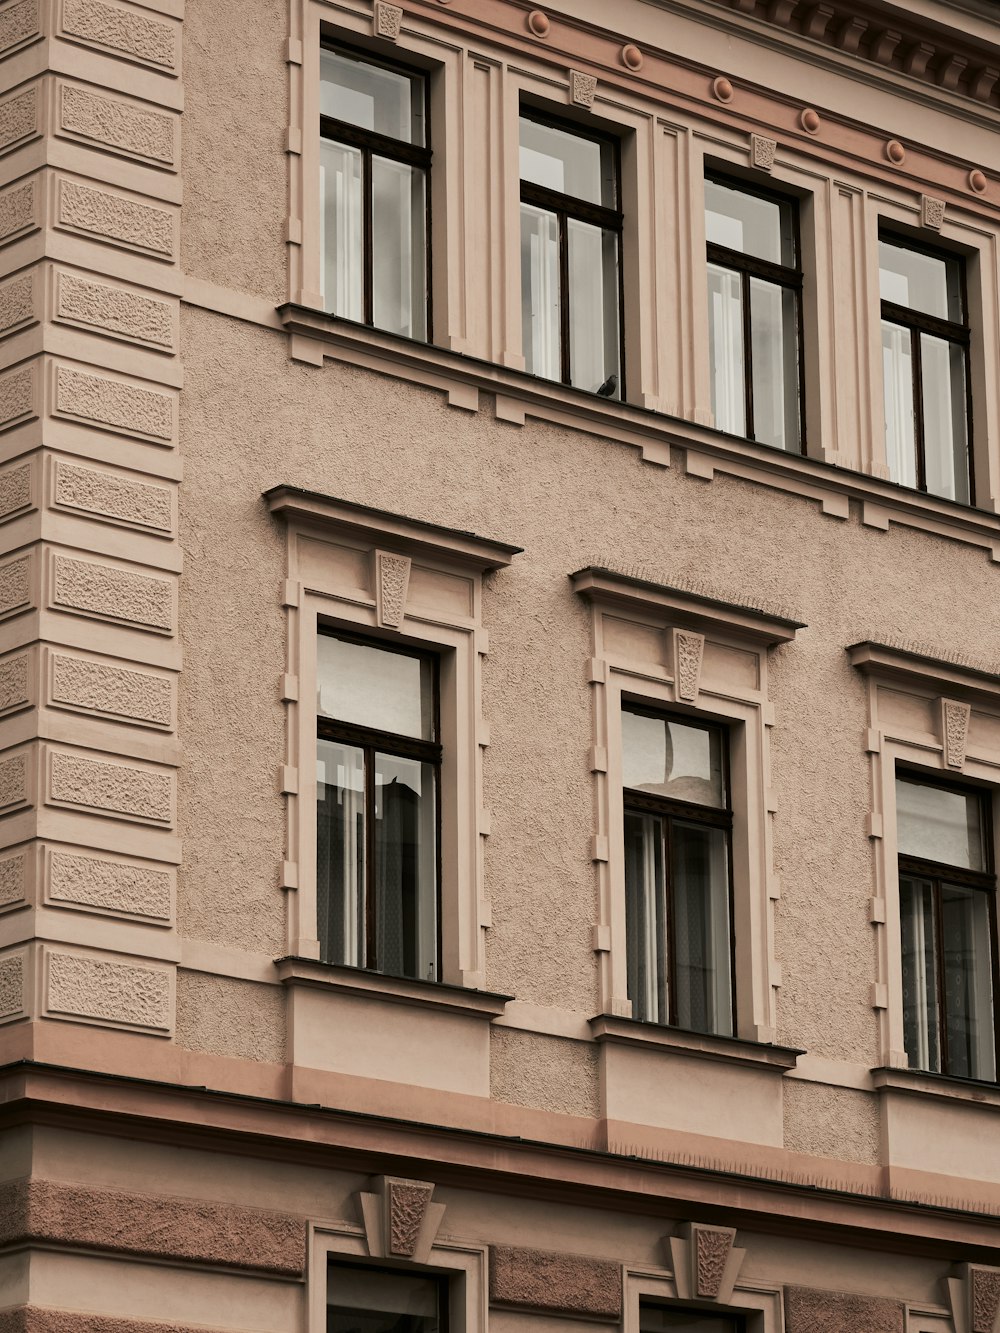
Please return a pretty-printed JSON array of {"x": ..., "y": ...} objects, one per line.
[
  {"x": 391, "y": 581},
  {"x": 705, "y": 1261},
  {"x": 13, "y": 969},
  {"x": 974, "y": 1296},
  {"x": 567, "y": 1283},
  {"x": 811, "y": 1311},
  {"x": 93, "y": 988},
  {"x": 948, "y": 676},
  {"x": 109, "y": 495},
  {"x": 932, "y": 212},
  {"x": 109, "y": 592},
  {"x": 763, "y": 152},
  {"x": 19, "y": 23},
  {"x": 114, "y": 404},
  {"x": 113, "y": 217},
  {"x": 112, "y": 27},
  {"x": 18, "y": 210},
  {"x": 688, "y": 651},
  {"x": 115, "y": 789},
  {"x": 121, "y": 312},
  {"x": 955, "y": 719},
  {"x": 582, "y": 88},
  {"x": 401, "y": 1221},
  {"x": 19, "y": 119},
  {"x": 120, "y": 888},
  {"x": 120, "y": 126},
  {"x": 632, "y": 57},
  {"x": 125, "y": 693},
  {"x": 387, "y": 21}
]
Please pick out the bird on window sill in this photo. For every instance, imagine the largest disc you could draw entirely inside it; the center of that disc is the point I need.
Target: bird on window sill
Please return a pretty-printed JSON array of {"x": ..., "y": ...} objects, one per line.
[{"x": 609, "y": 388}]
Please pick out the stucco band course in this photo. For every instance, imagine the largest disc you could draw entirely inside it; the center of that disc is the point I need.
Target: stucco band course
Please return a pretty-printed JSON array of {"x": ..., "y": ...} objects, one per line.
[
  {"x": 811, "y": 1311},
  {"x": 546, "y": 1281}
]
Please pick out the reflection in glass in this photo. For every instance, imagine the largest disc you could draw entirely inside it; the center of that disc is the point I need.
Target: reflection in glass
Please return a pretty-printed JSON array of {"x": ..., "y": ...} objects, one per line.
[
  {"x": 341, "y": 229},
  {"x": 646, "y": 917},
  {"x": 928, "y": 283},
  {"x": 738, "y": 220},
  {"x": 362, "y": 1300},
  {"x": 968, "y": 984},
  {"x": 702, "y": 977},
  {"x": 540, "y": 291},
  {"x": 372, "y": 687},
  {"x": 920, "y": 1001},
  {"x": 371, "y": 97},
  {"x": 340, "y": 852},
  {"x": 559, "y": 160},
  {"x": 939, "y": 824},
  {"x": 946, "y": 445},
  {"x": 774, "y": 347},
  {"x": 897, "y": 381},
  {"x": 399, "y": 295},
  {"x": 725, "y": 336},
  {"x": 593, "y": 304},
  {"x": 668, "y": 758},
  {"x": 405, "y": 872}
]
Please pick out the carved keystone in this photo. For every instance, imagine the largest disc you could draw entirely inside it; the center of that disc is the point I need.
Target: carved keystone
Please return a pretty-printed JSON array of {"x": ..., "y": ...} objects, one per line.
[
  {"x": 705, "y": 1261},
  {"x": 763, "y": 152},
  {"x": 688, "y": 651},
  {"x": 583, "y": 88},
  {"x": 400, "y": 1219},
  {"x": 931, "y": 212},
  {"x": 388, "y": 20},
  {"x": 392, "y": 578},
  {"x": 954, "y": 731},
  {"x": 974, "y": 1293}
]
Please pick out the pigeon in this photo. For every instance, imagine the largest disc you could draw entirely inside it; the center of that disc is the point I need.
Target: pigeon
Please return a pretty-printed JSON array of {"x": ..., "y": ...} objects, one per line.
[{"x": 609, "y": 387}]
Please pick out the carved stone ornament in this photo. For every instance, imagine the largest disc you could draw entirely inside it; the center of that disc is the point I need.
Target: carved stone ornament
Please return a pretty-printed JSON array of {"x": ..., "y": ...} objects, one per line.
[
  {"x": 705, "y": 1261},
  {"x": 974, "y": 1295},
  {"x": 583, "y": 88},
  {"x": 401, "y": 1221},
  {"x": 688, "y": 651},
  {"x": 388, "y": 21},
  {"x": 954, "y": 731},
  {"x": 931, "y": 212},
  {"x": 763, "y": 152},
  {"x": 392, "y": 578}
]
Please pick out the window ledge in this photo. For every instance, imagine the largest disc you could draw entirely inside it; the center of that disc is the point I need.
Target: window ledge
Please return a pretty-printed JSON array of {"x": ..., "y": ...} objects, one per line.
[
  {"x": 395, "y": 990},
  {"x": 519, "y": 396},
  {"x": 729, "y": 1050},
  {"x": 923, "y": 1083}
]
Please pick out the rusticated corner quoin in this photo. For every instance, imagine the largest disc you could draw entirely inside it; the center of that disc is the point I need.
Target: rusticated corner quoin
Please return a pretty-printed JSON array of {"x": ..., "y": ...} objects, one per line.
[
  {"x": 167, "y": 1228},
  {"x": 561, "y": 1282},
  {"x": 810, "y": 1311}
]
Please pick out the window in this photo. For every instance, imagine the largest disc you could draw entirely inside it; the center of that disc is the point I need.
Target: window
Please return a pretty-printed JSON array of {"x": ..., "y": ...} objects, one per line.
[
  {"x": 378, "y": 769},
  {"x": 570, "y": 256},
  {"x": 947, "y": 898},
  {"x": 375, "y": 1300},
  {"x": 754, "y": 313},
  {"x": 374, "y": 166},
  {"x": 664, "y": 1319},
  {"x": 677, "y": 872},
  {"x": 925, "y": 343}
]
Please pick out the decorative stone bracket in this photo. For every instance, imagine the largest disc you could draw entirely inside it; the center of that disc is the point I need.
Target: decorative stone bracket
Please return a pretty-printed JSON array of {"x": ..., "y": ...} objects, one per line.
[
  {"x": 705, "y": 1261},
  {"x": 974, "y": 1296},
  {"x": 399, "y": 1218}
]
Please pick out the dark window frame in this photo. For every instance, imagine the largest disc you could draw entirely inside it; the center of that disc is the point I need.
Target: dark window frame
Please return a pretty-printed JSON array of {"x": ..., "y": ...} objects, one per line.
[
  {"x": 599, "y": 215},
  {"x": 940, "y": 873},
  {"x": 749, "y": 266},
  {"x": 442, "y": 1281},
  {"x": 373, "y": 741},
  {"x": 370, "y": 143},
  {"x": 916, "y": 322},
  {"x": 737, "y": 1318},
  {"x": 669, "y": 808}
]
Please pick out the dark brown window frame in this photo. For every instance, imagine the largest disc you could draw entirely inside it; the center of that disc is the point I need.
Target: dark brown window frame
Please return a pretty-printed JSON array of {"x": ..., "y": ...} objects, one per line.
[
  {"x": 916, "y": 322},
  {"x": 566, "y": 206},
  {"x": 710, "y": 816},
  {"x": 749, "y": 266},
  {"x": 372, "y": 741},
  {"x": 370, "y": 143},
  {"x": 985, "y": 881}
]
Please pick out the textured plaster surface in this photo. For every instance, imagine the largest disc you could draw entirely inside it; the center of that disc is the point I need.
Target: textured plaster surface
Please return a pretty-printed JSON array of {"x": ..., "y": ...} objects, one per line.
[
  {"x": 117, "y": 993},
  {"x": 808, "y": 1311},
  {"x": 549, "y": 1073},
  {"x": 103, "y": 213},
  {"x": 831, "y": 1122},
  {"x": 230, "y": 1017},
  {"x": 113, "y": 886},
  {"x": 549, "y": 1281},
  {"x": 41, "y": 1319},
  {"x": 12, "y": 879}
]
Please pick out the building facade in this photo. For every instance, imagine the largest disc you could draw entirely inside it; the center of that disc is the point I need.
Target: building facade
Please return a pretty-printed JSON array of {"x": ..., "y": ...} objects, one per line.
[{"x": 499, "y": 666}]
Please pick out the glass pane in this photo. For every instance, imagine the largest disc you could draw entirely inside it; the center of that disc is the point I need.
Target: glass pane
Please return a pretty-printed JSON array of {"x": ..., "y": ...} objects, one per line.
[
  {"x": 920, "y": 1000},
  {"x": 968, "y": 982},
  {"x": 702, "y": 980},
  {"x": 399, "y": 214},
  {"x": 341, "y": 229},
  {"x": 645, "y": 917},
  {"x": 946, "y": 443},
  {"x": 560, "y": 160},
  {"x": 668, "y": 758},
  {"x": 725, "y": 342},
  {"x": 405, "y": 868},
  {"x": 365, "y": 1301},
  {"x": 938, "y": 824},
  {"x": 921, "y": 282},
  {"x": 774, "y": 343},
  {"x": 660, "y": 1319},
  {"x": 371, "y": 687},
  {"x": 593, "y": 311},
  {"x": 340, "y": 852},
  {"x": 764, "y": 228},
  {"x": 540, "y": 292},
  {"x": 371, "y": 97},
  {"x": 897, "y": 382}
]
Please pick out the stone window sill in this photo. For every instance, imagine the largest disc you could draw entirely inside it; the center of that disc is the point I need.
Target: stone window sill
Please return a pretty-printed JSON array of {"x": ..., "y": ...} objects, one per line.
[
  {"x": 316, "y": 335},
  {"x": 729, "y": 1050},
  {"x": 394, "y": 990},
  {"x": 924, "y": 1084}
]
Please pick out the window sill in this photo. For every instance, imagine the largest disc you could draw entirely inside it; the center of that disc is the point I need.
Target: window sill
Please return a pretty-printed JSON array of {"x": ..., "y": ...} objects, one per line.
[
  {"x": 519, "y": 396},
  {"x": 921, "y": 1082},
  {"x": 434, "y": 995},
  {"x": 702, "y": 1046}
]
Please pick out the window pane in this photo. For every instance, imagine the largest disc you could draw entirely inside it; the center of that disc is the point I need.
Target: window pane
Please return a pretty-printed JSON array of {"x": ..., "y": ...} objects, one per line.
[
  {"x": 922, "y": 282},
  {"x": 920, "y": 1000},
  {"x": 371, "y": 687},
  {"x": 371, "y": 97},
  {"x": 702, "y": 980},
  {"x": 774, "y": 337},
  {"x": 937, "y": 824},
  {"x": 399, "y": 213},
  {"x": 540, "y": 292},
  {"x": 968, "y": 982},
  {"x": 340, "y": 852},
  {"x": 660, "y": 1319},
  {"x": 361, "y": 1300},
  {"x": 725, "y": 341},
  {"x": 667, "y": 758},
  {"x": 764, "y": 228},
  {"x": 593, "y": 310},
  {"x": 560, "y": 160},
  {"x": 405, "y": 868},
  {"x": 341, "y": 229},
  {"x": 646, "y": 917},
  {"x": 946, "y": 444},
  {"x": 897, "y": 382}
]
